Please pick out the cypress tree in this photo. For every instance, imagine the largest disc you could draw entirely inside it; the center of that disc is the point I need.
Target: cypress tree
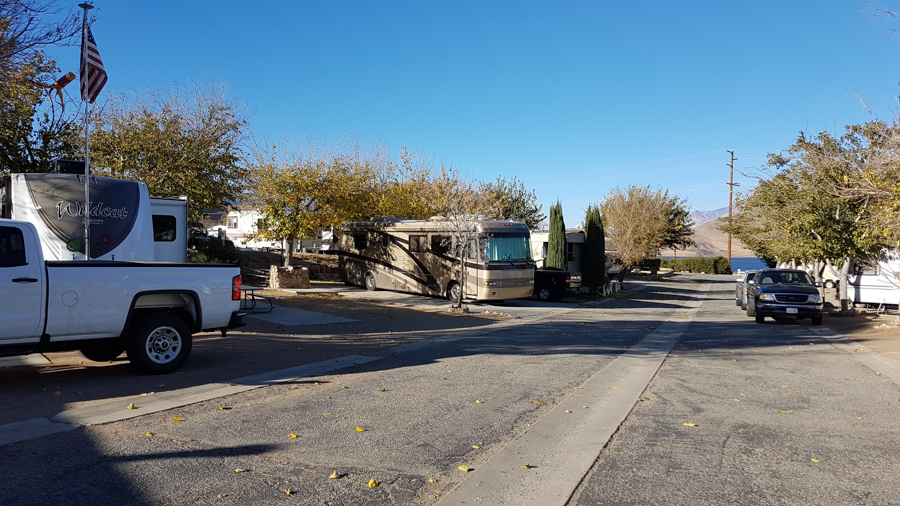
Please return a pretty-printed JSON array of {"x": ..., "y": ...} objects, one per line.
[
  {"x": 594, "y": 268},
  {"x": 556, "y": 247}
]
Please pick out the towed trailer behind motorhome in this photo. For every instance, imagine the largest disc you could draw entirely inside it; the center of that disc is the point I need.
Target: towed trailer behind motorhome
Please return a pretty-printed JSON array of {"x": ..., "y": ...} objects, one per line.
[{"x": 416, "y": 256}]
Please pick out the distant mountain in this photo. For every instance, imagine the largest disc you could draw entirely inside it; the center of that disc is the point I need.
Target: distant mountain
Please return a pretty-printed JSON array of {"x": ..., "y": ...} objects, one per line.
[
  {"x": 709, "y": 241},
  {"x": 701, "y": 217}
]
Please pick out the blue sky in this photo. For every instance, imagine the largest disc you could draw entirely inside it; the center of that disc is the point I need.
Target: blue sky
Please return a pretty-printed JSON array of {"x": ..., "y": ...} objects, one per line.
[{"x": 573, "y": 98}]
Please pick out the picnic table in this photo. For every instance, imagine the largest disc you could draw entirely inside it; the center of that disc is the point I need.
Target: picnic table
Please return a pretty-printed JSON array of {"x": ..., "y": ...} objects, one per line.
[{"x": 255, "y": 302}]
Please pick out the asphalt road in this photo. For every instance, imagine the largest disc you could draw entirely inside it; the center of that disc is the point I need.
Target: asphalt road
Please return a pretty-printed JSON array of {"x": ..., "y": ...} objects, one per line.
[{"x": 667, "y": 394}]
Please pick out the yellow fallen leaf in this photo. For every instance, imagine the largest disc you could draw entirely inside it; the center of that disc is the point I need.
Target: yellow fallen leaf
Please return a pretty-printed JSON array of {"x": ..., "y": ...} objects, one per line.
[
  {"x": 293, "y": 435},
  {"x": 463, "y": 469},
  {"x": 294, "y": 387},
  {"x": 176, "y": 420},
  {"x": 585, "y": 407},
  {"x": 537, "y": 402},
  {"x": 432, "y": 480},
  {"x": 780, "y": 412},
  {"x": 567, "y": 411},
  {"x": 859, "y": 418},
  {"x": 526, "y": 466},
  {"x": 689, "y": 424},
  {"x": 613, "y": 388},
  {"x": 57, "y": 393},
  {"x": 814, "y": 460},
  {"x": 360, "y": 429},
  {"x": 130, "y": 406},
  {"x": 443, "y": 379},
  {"x": 149, "y": 433},
  {"x": 476, "y": 447},
  {"x": 334, "y": 475},
  {"x": 478, "y": 402},
  {"x": 373, "y": 483},
  {"x": 288, "y": 491},
  {"x": 241, "y": 470},
  {"x": 743, "y": 395},
  {"x": 737, "y": 400},
  {"x": 381, "y": 389},
  {"x": 326, "y": 414}
]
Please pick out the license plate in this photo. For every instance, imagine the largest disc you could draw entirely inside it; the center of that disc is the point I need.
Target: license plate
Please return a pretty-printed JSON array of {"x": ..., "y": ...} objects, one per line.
[{"x": 791, "y": 310}]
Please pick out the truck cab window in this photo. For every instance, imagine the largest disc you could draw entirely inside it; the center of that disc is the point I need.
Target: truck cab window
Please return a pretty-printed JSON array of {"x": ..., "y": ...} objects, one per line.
[
  {"x": 164, "y": 228},
  {"x": 12, "y": 247}
]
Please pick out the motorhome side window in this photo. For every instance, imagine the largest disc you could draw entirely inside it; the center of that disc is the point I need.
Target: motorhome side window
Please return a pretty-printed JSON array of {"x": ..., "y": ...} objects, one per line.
[
  {"x": 360, "y": 240},
  {"x": 232, "y": 222},
  {"x": 440, "y": 244},
  {"x": 164, "y": 229},
  {"x": 12, "y": 247},
  {"x": 472, "y": 250},
  {"x": 418, "y": 243}
]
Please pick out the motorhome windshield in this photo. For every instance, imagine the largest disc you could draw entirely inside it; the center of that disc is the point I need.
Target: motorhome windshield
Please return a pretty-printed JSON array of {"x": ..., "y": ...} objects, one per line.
[{"x": 502, "y": 247}]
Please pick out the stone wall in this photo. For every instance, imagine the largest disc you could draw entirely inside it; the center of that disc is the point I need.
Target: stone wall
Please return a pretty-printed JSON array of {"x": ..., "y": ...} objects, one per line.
[{"x": 288, "y": 277}]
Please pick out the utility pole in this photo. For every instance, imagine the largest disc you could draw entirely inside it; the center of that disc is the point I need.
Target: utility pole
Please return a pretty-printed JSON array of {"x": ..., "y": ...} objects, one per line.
[{"x": 731, "y": 185}]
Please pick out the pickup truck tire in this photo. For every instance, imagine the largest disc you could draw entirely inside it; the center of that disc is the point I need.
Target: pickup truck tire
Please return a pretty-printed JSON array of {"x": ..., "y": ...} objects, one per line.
[
  {"x": 103, "y": 353},
  {"x": 159, "y": 343}
]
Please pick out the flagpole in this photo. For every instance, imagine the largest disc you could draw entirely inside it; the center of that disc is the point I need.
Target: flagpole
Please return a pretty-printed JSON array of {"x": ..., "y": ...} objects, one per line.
[{"x": 87, "y": 158}]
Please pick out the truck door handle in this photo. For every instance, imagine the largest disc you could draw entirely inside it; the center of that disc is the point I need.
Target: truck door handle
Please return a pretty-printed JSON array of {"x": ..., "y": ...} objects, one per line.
[{"x": 24, "y": 280}]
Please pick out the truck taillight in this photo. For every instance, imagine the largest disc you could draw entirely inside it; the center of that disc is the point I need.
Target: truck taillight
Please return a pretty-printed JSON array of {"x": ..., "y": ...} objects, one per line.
[{"x": 236, "y": 287}]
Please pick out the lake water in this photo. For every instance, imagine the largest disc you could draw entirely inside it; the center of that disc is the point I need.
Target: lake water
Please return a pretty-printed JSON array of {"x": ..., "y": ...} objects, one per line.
[{"x": 746, "y": 264}]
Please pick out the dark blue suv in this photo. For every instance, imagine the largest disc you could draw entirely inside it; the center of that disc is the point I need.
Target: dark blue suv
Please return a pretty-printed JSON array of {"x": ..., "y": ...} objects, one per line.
[{"x": 784, "y": 293}]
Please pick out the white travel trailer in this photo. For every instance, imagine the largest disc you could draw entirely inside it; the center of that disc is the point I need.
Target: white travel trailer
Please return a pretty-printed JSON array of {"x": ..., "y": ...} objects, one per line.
[
  {"x": 242, "y": 225},
  {"x": 876, "y": 282},
  {"x": 415, "y": 256},
  {"x": 126, "y": 224}
]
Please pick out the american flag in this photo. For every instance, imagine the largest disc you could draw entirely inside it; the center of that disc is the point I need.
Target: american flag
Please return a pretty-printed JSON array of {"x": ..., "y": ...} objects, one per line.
[{"x": 93, "y": 75}]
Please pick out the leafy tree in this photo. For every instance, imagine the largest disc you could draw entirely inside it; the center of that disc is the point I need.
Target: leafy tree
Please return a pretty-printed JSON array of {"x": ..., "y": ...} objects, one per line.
[
  {"x": 680, "y": 225},
  {"x": 556, "y": 245},
  {"x": 593, "y": 274},
  {"x": 516, "y": 202},
  {"x": 638, "y": 221},
  {"x": 176, "y": 145},
  {"x": 821, "y": 207},
  {"x": 33, "y": 131}
]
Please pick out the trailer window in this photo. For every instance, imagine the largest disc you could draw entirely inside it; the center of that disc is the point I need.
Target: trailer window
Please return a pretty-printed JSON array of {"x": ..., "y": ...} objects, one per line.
[
  {"x": 418, "y": 243},
  {"x": 12, "y": 247},
  {"x": 164, "y": 229}
]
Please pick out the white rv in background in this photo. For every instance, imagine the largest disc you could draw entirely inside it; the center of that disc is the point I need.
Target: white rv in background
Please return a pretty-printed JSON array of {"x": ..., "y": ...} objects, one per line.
[
  {"x": 877, "y": 282},
  {"x": 126, "y": 224}
]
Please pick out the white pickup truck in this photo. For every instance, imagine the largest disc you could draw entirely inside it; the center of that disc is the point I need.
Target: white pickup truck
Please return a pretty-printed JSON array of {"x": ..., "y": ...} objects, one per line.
[{"x": 102, "y": 307}]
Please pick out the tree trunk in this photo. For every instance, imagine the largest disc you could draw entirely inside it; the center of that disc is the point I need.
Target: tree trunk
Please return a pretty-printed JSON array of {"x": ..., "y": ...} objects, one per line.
[
  {"x": 842, "y": 288},
  {"x": 288, "y": 251}
]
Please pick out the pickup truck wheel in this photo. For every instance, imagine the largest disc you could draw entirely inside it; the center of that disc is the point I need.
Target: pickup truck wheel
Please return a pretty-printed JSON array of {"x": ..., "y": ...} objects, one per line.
[
  {"x": 159, "y": 343},
  {"x": 370, "y": 281},
  {"x": 760, "y": 318},
  {"x": 102, "y": 353},
  {"x": 544, "y": 294}
]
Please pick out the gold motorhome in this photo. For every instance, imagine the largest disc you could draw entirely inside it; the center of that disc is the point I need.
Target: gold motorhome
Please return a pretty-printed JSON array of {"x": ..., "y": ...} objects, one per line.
[{"x": 417, "y": 256}]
